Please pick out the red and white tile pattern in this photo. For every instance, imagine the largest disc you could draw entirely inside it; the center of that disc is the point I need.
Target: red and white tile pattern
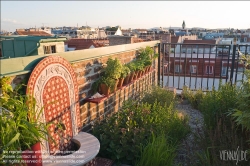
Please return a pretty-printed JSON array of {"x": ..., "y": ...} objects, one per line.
[
  {"x": 54, "y": 86},
  {"x": 56, "y": 103}
]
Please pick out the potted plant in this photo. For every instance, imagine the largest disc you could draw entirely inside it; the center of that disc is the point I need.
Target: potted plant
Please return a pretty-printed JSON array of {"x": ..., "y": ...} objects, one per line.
[
  {"x": 125, "y": 72},
  {"x": 132, "y": 68},
  {"x": 20, "y": 128},
  {"x": 147, "y": 55},
  {"x": 139, "y": 68},
  {"x": 147, "y": 64},
  {"x": 113, "y": 70},
  {"x": 107, "y": 85}
]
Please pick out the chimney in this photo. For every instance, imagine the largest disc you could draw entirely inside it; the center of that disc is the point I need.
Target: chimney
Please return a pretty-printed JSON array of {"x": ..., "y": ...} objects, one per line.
[{"x": 119, "y": 40}]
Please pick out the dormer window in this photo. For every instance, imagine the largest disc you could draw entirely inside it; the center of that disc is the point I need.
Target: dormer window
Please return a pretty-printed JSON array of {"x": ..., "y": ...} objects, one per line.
[{"x": 49, "y": 49}]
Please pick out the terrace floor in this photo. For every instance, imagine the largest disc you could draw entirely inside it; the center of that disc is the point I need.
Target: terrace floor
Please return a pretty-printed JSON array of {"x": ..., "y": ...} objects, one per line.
[{"x": 188, "y": 147}]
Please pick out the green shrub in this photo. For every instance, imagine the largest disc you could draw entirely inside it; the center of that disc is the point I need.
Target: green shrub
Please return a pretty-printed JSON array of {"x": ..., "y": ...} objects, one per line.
[
  {"x": 124, "y": 133},
  {"x": 161, "y": 95},
  {"x": 216, "y": 103}
]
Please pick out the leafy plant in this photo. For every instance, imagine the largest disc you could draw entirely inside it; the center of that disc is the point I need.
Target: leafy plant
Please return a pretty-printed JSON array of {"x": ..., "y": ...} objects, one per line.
[
  {"x": 95, "y": 85},
  {"x": 125, "y": 71},
  {"x": 19, "y": 124},
  {"x": 139, "y": 65},
  {"x": 113, "y": 68},
  {"x": 147, "y": 62},
  {"x": 109, "y": 82},
  {"x": 241, "y": 114},
  {"x": 132, "y": 66},
  {"x": 145, "y": 53},
  {"x": 155, "y": 56}
]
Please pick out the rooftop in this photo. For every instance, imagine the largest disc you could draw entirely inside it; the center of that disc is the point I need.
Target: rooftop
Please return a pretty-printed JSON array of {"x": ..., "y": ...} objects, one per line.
[{"x": 32, "y": 33}]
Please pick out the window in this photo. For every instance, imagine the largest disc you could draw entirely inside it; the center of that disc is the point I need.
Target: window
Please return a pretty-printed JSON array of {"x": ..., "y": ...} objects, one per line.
[
  {"x": 49, "y": 49},
  {"x": 193, "y": 69},
  {"x": 224, "y": 71},
  {"x": 240, "y": 69},
  {"x": 209, "y": 69},
  {"x": 178, "y": 68}
]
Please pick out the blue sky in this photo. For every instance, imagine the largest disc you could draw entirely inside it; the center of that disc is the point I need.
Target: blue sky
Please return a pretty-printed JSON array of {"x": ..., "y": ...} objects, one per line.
[{"x": 127, "y": 14}]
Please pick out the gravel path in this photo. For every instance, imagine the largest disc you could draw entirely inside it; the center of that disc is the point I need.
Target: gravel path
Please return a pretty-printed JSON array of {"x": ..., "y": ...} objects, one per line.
[{"x": 188, "y": 148}]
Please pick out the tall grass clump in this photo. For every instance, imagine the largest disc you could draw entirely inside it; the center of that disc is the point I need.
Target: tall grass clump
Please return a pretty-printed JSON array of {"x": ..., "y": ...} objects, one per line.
[
  {"x": 216, "y": 103},
  {"x": 220, "y": 130},
  {"x": 158, "y": 152},
  {"x": 194, "y": 97}
]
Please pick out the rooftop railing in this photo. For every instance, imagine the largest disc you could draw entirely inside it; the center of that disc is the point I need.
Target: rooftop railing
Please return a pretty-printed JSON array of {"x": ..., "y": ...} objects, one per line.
[{"x": 201, "y": 66}]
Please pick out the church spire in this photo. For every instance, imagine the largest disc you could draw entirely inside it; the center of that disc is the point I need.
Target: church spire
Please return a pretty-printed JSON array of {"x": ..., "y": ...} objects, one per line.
[{"x": 183, "y": 25}]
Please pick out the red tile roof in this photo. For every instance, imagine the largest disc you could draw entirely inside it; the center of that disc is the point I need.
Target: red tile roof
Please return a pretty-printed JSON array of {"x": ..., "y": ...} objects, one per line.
[
  {"x": 33, "y": 33},
  {"x": 80, "y": 44},
  {"x": 138, "y": 40},
  {"x": 141, "y": 29}
]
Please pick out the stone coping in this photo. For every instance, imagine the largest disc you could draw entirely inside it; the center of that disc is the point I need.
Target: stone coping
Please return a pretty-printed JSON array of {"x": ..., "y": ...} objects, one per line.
[{"x": 24, "y": 65}]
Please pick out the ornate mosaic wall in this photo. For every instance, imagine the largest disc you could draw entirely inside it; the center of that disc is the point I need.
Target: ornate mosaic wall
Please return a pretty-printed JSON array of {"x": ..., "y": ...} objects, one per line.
[{"x": 54, "y": 86}]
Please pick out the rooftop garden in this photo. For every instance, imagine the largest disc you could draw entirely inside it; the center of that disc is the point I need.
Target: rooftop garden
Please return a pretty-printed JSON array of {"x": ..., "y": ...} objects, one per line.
[{"x": 149, "y": 131}]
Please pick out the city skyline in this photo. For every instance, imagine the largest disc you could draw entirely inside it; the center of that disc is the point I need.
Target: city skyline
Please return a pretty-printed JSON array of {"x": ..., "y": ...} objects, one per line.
[{"x": 127, "y": 14}]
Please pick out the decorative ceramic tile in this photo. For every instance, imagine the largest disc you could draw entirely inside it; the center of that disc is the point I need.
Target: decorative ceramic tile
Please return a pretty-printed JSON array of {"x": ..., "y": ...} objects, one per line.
[{"x": 54, "y": 86}]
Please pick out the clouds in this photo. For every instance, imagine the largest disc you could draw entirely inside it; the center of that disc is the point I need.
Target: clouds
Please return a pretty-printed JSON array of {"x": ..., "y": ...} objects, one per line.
[
  {"x": 11, "y": 24},
  {"x": 7, "y": 20}
]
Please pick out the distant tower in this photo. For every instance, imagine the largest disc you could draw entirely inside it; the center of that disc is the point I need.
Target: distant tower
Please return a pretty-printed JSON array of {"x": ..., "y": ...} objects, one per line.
[{"x": 183, "y": 25}]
